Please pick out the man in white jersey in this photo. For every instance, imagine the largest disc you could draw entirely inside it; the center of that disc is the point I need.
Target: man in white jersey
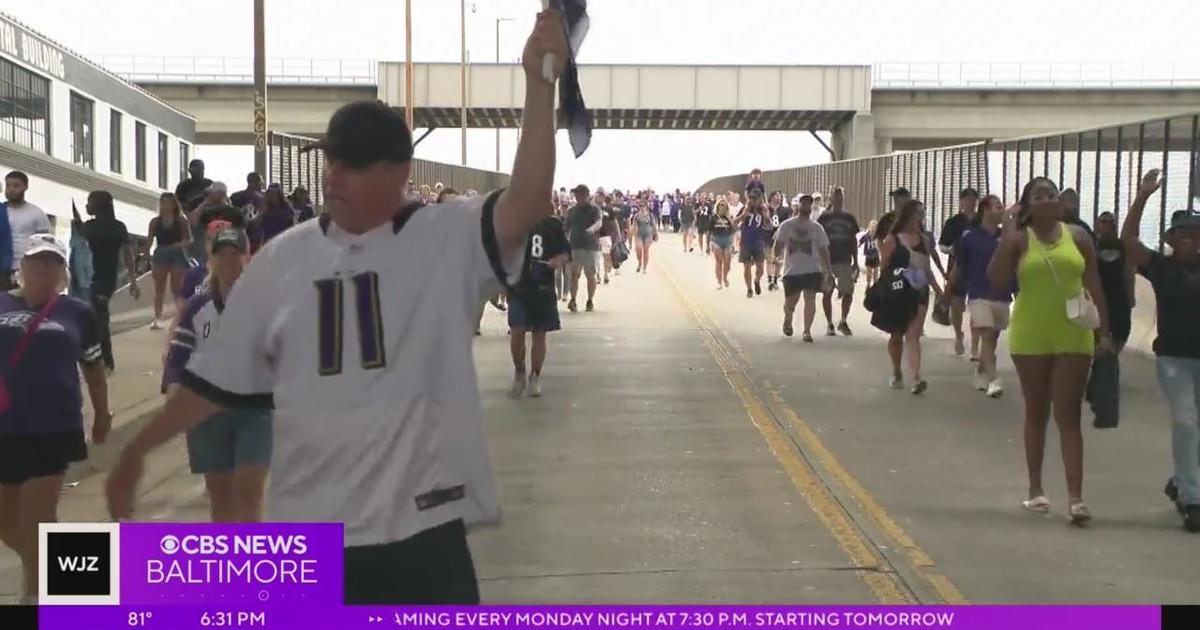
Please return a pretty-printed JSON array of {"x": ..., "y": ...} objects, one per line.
[{"x": 357, "y": 329}]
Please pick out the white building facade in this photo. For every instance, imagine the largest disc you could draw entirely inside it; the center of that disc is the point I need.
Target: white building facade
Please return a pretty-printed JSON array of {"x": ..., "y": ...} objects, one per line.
[{"x": 73, "y": 127}]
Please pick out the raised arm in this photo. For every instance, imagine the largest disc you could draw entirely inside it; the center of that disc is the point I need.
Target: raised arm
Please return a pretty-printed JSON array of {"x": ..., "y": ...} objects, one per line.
[
  {"x": 1135, "y": 249},
  {"x": 1004, "y": 262},
  {"x": 523, "y": 203}
]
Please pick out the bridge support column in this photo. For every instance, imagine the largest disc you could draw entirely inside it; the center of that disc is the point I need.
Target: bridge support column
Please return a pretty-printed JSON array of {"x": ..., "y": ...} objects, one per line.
[{"x": 855, "y": 138}]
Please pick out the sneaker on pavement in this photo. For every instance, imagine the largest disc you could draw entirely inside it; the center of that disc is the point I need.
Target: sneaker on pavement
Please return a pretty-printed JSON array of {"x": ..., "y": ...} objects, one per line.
[
  {"x": 995, "y": 389},
  {"x": 844, "y": 328},
  {"x": 749, "y": 293},
  {"x": 589, "y": 306},
  {"x": 1191, "y": 518},
  {"x": 830, "y": 332},
  {"x": 980, "y": 382},
  {"x": 155, "y": 325},
  {"x": 896, "y": 382},
  {"x": 807, "y": 337},
  {"x": 535, "y": 388},
  {"x": 758, "y": 287},
  {"x": 518, "y": 385},
  {"x": 920, "y": 387},
  {"x": 572, "y": 306},
  {"x": 1172, "y": 492},
  {"x": 787, "y": 329}
]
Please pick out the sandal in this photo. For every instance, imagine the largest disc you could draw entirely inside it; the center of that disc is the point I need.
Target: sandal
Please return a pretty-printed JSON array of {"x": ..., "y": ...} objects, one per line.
[
  {"x": 1039, "y": 504},
  {"x": 1079, "y": 513}
]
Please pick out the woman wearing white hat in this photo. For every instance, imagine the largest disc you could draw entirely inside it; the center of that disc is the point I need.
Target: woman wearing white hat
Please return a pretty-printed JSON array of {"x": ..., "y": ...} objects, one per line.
[{"x": 45, "y": 338}]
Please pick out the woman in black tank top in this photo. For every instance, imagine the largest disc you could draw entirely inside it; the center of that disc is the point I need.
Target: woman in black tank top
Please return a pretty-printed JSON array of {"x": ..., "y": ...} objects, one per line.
[{"x": 172, "y": 234}]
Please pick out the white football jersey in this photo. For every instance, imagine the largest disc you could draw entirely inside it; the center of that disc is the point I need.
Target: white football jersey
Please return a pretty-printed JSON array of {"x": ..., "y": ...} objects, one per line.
[{"x": 363, "y": 345}]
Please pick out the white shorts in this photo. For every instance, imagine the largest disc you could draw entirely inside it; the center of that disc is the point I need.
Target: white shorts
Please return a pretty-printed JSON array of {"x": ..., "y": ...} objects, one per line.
[
  {"x": 606, "y": 244},
  {"x": 988, "y": 314}
]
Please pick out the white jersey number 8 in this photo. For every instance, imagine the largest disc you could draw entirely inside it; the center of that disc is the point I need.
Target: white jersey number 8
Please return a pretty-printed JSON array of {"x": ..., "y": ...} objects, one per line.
[{"x": 535, "y": 246}]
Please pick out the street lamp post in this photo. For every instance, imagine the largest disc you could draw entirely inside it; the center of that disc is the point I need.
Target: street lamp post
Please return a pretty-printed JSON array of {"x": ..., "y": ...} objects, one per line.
[
  {"x": 462, "y": 72},
  {"x": 498, "y": 21},
  {"x": 260, "y": 91},
  {"x": 408, "y": 64}
]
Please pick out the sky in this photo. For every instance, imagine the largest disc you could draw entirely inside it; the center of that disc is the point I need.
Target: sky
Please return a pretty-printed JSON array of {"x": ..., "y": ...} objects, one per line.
[{"x": 634, "y": 31}]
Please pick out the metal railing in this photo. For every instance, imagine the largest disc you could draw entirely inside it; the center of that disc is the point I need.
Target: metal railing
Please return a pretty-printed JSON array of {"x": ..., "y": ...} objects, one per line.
[
  {"x": 1036, "y": 75},
  {"x": 290, "y": 166},
  {"x": 167, "y": 69},
  {"x": 896, "y": 75},
  {"x": 1102, "y": 164}
]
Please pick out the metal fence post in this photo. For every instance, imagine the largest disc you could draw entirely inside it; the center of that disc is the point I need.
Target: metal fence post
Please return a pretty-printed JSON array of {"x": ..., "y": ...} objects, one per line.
[{"x": 1162, "y": 215}]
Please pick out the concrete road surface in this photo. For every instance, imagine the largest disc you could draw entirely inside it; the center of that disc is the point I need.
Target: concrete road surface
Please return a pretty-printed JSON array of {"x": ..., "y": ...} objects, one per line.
[{"x": 685, "y": 451}]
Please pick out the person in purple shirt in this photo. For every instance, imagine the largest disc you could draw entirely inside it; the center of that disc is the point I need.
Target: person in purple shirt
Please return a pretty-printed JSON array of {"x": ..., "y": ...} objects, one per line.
[
  {"x": 46, "y": 339},
  {"x": 274, "y": 220},
  {"x": 251, "y": 197},
  {"x": 754, "y": 223},
  {"x": 988, "y": 306},
  {"x": 302, "y": 203}
]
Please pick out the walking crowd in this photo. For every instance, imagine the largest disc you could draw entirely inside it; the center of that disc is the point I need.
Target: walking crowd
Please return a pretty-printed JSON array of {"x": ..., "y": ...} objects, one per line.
[{"x": 253, "y": 274}]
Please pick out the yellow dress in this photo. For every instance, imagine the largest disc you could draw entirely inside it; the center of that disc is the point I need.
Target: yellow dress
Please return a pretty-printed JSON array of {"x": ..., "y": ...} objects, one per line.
[{"x": 1039, "y": 318}]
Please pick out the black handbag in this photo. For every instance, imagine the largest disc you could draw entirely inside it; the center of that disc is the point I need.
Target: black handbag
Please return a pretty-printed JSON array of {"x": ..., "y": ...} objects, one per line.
[{"x": 620, "y": 253}]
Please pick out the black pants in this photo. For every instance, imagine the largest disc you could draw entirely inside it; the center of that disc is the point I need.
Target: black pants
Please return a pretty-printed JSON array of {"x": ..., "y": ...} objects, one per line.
[
  {"x": 432, "y": 567},
  {"x": 100, "y": 299},
  {"x": 6, "y": 280}
]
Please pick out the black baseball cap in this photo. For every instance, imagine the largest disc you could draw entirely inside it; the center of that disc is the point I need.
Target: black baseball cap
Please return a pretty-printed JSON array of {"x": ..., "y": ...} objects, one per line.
[
  {"x": 363, "y": 133},
  {"x": 230, "y": 236},
  {"x": 1183, "y": 219}
]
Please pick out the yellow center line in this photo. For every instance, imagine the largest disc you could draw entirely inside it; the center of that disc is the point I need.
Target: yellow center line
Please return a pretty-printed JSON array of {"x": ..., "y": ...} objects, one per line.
[{"x": 886, "y": 586}]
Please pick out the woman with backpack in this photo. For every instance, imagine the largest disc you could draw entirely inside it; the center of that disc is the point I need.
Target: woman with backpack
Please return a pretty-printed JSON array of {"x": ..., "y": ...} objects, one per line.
[{"x": 907, "y": 279}]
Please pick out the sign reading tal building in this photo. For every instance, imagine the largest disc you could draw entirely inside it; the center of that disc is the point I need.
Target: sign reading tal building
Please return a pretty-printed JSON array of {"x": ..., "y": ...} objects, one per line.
[{"x": 19, "y": 43}]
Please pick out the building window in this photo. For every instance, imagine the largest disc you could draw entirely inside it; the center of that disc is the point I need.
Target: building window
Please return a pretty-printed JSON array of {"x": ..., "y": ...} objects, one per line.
[
  {"x": 82, "y": 131},
  {"x": 139, "y": 148},
  {"x": 162, "y": 161},
  {"x": 24, "y": 107},
  {"x": 114, "y": 141},
  {"x": 185, "y": 158}
]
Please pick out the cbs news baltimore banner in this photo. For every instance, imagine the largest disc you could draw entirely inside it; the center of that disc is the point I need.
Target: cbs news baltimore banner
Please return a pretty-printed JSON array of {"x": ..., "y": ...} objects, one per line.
[{"x": 182, "y": 576}]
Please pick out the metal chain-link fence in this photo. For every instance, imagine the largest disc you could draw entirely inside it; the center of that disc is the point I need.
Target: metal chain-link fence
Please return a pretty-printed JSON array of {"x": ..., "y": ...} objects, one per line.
[{"x": 1103, "y": 165}]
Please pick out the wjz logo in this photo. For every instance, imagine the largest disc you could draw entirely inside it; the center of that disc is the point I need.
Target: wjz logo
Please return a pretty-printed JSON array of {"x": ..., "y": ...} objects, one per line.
[{"x": 79, "y": 563}]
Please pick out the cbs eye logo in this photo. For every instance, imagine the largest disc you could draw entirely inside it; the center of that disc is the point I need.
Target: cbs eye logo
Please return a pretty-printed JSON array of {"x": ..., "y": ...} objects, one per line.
[{"x": 79, "y": 563}]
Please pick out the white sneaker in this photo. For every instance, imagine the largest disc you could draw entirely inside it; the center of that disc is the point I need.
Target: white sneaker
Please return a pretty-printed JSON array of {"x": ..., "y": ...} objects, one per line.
[
  {"x": 518, "y": 386},
  {"x": 981, "y": 382},
  {"x": 995, "y": 389},
  {"x": 535, "y": 388},
  {"x": 155, "y": 325},
  {"x": 896, "y": 382}
]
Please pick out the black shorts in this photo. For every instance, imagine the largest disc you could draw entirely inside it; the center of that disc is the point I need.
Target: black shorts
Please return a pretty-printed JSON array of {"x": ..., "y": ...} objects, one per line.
[
  {"x": 433, "y": 567},
  {"x": 535, "y": 310},
  {"x": 702, "y": 227},
  {"x": 752, "y": 254},
  {"x": 25, "y": 457},
  {"x": 803, "y": 282}
]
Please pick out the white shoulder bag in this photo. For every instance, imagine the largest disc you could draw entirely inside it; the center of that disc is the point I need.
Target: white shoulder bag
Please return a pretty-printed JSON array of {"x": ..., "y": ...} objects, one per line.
[{"x": 1081, "y": 309}]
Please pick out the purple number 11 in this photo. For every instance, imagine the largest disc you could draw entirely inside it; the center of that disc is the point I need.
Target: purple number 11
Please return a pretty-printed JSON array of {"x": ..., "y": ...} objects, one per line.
[{"x": 331, "y": 326}]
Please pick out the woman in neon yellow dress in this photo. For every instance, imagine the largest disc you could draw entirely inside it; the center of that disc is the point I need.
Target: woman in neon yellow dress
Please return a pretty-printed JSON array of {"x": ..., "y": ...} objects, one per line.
[{"x": 1053, "y": 262}]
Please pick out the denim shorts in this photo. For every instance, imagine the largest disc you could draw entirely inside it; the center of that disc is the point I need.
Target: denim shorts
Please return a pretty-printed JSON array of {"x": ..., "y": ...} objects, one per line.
[{"x": 230, "y": 439}]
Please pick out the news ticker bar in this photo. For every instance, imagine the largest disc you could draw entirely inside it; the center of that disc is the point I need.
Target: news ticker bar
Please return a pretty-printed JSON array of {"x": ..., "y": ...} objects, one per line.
[{"x": 167, "y": 617}]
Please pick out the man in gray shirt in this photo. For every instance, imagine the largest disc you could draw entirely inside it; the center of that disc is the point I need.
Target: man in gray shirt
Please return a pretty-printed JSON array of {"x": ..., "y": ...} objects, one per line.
[
  {"x": 583, "y": 224},
  {"x": 806, "y": 269},
  {"x": 24, "y": 219}
]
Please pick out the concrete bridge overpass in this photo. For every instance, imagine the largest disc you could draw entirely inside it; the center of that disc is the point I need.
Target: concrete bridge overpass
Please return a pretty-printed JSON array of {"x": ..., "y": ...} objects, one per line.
[{"x": 866, "y": 114}]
